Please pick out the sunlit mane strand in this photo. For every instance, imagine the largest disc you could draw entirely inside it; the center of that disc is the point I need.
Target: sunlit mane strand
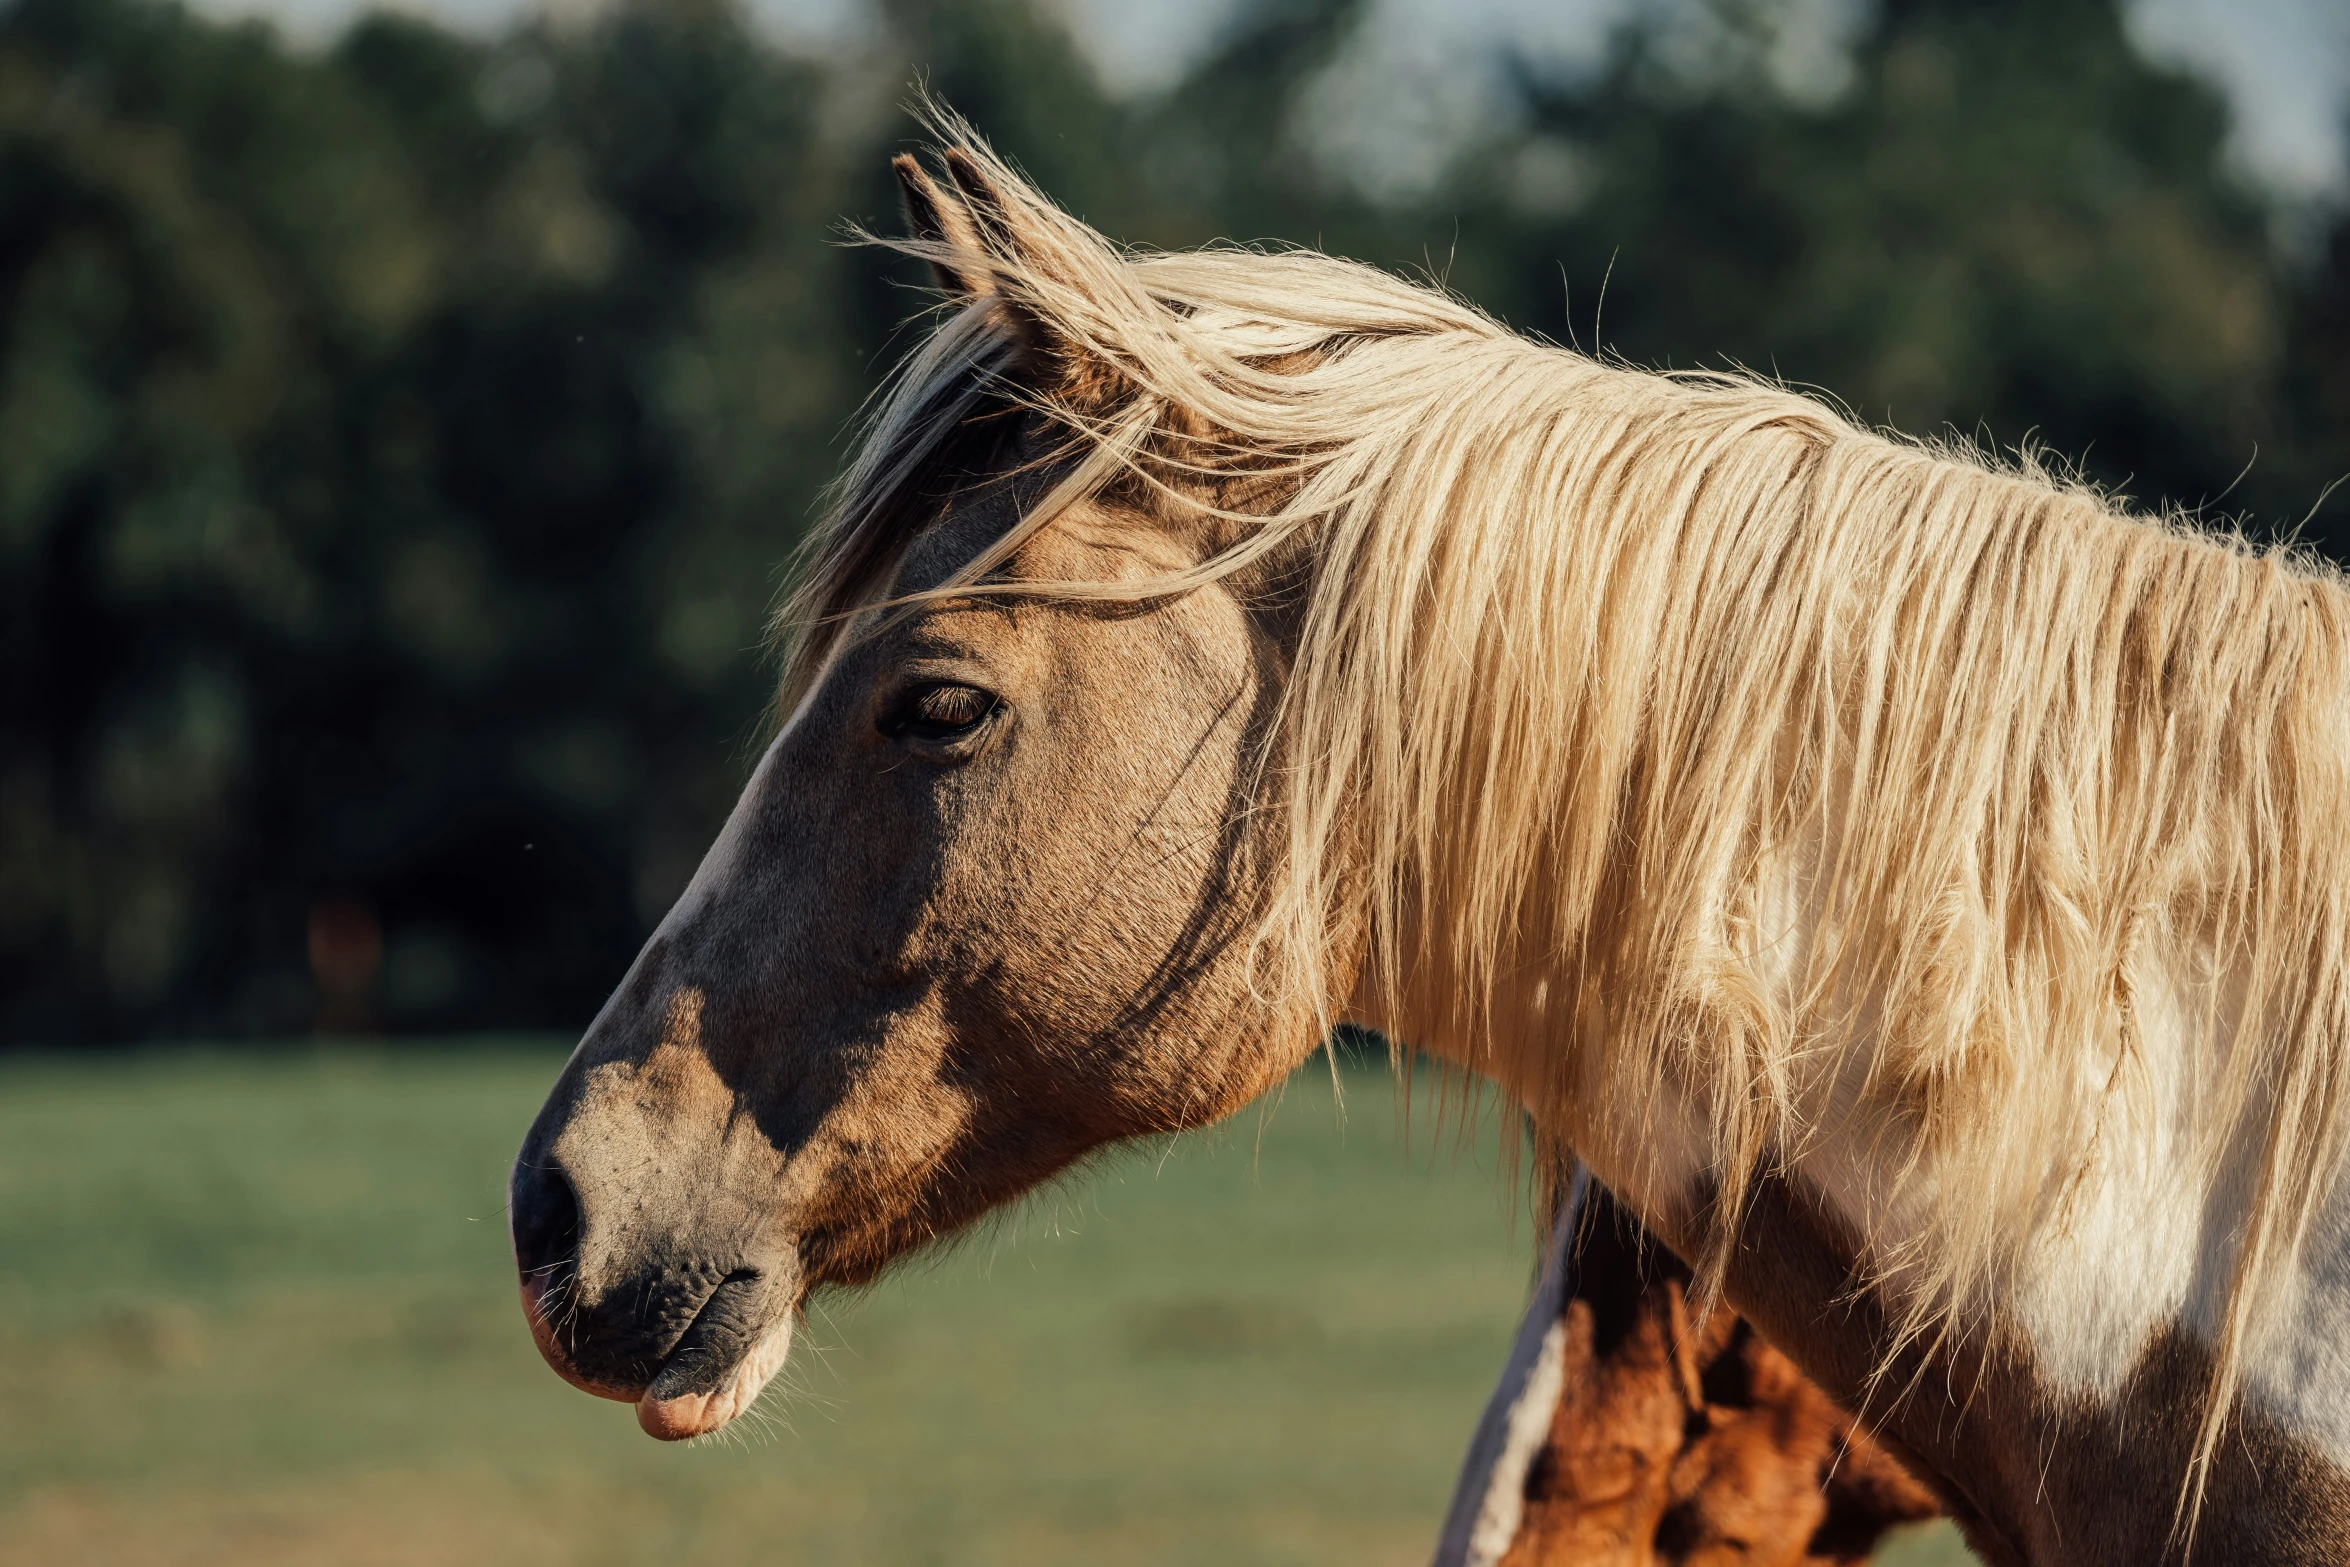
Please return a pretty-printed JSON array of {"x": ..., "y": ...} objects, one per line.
[{"x": 1676, "y": 741}]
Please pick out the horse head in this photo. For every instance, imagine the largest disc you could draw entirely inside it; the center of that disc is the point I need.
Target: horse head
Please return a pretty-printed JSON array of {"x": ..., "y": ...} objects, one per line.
[{"x": 982, "y": 908}]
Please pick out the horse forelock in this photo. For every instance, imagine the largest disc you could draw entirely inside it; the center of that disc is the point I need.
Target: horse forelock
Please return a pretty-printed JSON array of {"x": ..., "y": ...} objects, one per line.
[{"x": 1675, "y": 741}]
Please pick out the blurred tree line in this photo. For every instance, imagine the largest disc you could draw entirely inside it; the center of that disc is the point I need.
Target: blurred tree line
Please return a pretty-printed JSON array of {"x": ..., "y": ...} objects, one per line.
[{"x": 398, "y": 443}]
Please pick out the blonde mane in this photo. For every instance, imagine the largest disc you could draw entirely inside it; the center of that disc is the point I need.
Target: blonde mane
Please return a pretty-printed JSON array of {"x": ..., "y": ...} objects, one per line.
[{"x": 1671, "y": 739}]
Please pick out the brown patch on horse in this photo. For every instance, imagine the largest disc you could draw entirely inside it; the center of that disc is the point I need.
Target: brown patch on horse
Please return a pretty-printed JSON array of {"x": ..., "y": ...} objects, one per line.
[{"x": 1684, "y": 1438}]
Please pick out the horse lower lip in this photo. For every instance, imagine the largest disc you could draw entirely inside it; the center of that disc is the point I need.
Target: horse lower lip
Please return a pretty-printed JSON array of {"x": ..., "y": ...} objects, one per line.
[
  {"x": 711, "y": 1377},
  {"x": 714, "y": 1343}
]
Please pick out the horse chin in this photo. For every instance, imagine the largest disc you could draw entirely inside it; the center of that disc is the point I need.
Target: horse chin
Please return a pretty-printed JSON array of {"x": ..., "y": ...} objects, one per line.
[{"x": 675, "y": 1416}]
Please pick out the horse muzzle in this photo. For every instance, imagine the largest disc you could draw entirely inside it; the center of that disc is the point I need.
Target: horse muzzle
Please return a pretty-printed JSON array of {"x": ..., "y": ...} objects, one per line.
[{"x": 689, "y": 1336}]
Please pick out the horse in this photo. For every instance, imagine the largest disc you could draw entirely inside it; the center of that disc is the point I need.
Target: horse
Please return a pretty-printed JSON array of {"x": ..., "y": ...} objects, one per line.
[
  {"x": 1631, "y": 1428},
  {"x": 1915, "y": 885}
]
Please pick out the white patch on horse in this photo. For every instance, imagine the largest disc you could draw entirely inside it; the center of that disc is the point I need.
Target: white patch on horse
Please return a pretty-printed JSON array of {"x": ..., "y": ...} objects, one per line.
[
  {"x": 2299, "y": 1372},
  {"x": 1489, "y": 1499},
  {"x": 1504, "y": 1503},
  {"x": 2140, "y": 1245},
  {"x": 2096, "y": 1289}
]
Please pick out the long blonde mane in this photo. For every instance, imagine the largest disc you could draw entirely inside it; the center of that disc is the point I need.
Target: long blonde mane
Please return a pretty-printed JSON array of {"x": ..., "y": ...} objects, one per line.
[{"x": 1673, "y": 739}]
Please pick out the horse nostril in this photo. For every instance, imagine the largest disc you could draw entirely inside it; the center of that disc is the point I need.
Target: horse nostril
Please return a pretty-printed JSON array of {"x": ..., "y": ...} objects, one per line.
[{"x": 545, "y": 1220}]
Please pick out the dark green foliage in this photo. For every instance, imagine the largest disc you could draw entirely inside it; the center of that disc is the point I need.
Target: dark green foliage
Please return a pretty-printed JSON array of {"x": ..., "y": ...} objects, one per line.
[
  {"x": 397, "y": 446},
  {"x": 2010, "y": 220}
]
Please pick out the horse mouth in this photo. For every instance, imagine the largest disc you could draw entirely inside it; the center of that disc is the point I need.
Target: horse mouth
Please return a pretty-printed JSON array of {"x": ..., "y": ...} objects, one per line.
[
  {"x": 721, "y": 1363},
  {"x": 713, "y": 1371}
]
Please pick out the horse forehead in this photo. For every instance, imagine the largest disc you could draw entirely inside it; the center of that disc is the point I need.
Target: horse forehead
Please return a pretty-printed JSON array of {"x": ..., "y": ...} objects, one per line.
[
  {"x": 1096, "y": 544},
  {"x": 1089, "y": 542}
]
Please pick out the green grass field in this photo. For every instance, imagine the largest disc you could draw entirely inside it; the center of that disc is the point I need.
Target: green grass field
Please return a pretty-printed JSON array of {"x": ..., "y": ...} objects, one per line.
[{"x": 256, "y": 1309}]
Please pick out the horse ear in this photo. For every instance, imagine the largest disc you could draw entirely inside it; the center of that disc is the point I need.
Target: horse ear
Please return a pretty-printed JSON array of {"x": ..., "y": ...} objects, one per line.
[
  {"x": 994, "y": 213},
  {"x": 1004, "y": 225},
  {"x": 939, "y": 221}
]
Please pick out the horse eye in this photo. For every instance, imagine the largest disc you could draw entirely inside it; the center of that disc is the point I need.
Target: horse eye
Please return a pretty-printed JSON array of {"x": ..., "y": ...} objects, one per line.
[{"x": 939, "y": 714}]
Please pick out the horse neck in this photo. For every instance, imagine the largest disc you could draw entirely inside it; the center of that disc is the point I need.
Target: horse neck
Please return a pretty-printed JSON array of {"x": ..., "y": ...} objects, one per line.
[{"x": 1684, "y": 724}]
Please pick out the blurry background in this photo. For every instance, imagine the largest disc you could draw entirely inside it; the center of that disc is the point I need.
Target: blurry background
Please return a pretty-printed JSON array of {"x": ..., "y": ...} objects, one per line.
[
  {"x": 402, "y": 418},
  {"x": 256, "y": 1310}
]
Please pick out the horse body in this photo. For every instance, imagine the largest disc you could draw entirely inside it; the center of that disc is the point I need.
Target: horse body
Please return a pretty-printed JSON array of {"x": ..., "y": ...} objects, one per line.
[
  {"x": 1920, "y": 892},
  {"x": 1631, "y": 1428}
]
